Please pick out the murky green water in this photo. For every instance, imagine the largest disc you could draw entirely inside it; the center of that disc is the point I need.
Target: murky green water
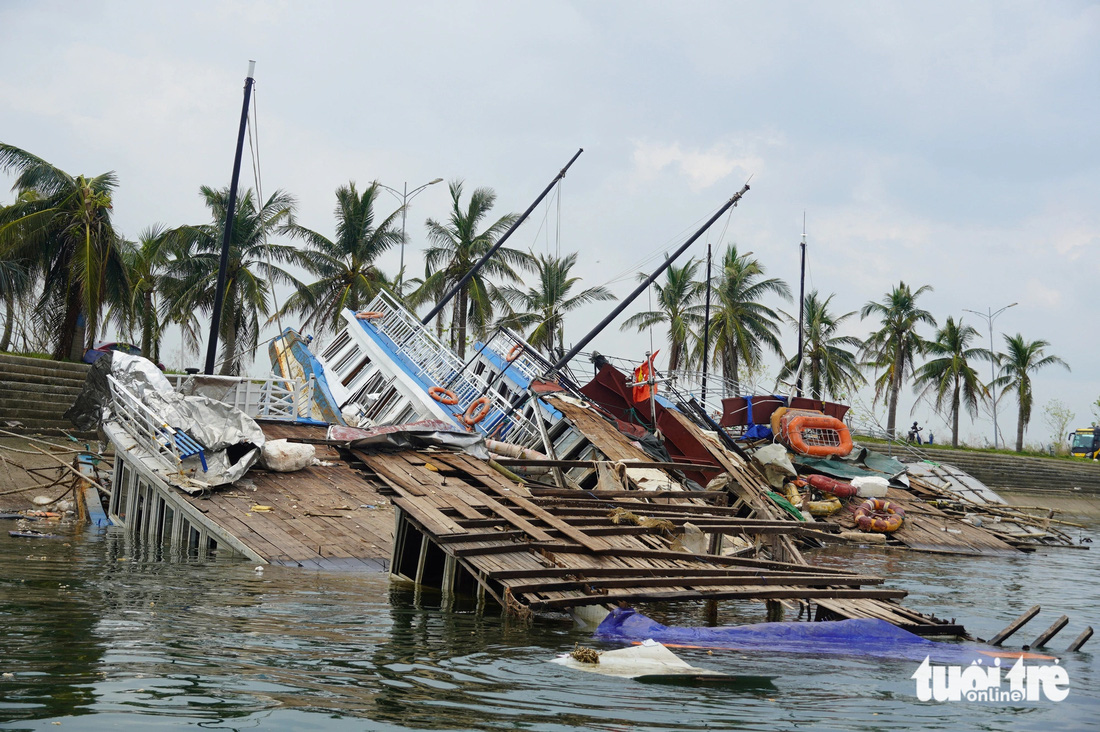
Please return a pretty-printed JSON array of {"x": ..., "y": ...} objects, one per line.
[{"x": 96, "y": 638}]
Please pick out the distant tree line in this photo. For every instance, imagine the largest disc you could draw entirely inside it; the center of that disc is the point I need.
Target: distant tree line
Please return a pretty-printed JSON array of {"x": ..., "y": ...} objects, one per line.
[{"x": 63, "y": 262}]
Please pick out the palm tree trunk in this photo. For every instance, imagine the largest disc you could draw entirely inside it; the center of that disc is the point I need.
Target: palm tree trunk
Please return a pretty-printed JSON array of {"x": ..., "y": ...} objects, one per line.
[
  {"x": 67, "y": 334},
  {"x": 674, "y": 356},
  {"x": 463, "y": 302},
  {"x": 1020, "y": 429},
  {"x": 9, "y": 321},
  {"x": 955, "y": 416},
  {"x": 229, "y": 354},
  {"x": 892, "y": 410},
  {"x": 148, "y": 321},
  {"x": 895, "y": 389}
]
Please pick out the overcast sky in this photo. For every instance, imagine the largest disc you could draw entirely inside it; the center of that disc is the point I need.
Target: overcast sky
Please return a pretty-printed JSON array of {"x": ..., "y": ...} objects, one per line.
[{"x": 947, "y": 144}]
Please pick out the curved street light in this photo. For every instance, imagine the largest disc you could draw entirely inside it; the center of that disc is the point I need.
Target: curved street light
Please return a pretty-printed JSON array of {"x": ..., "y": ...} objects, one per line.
[
  {"x": 990, "y": 316},
  {"x": 405, "y": 195}
]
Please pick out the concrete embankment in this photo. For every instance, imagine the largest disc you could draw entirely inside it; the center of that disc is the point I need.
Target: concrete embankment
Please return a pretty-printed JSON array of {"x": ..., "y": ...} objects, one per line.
[
  {"x": 34, "y": 394},
  {"x": 1017, "y": 473}
]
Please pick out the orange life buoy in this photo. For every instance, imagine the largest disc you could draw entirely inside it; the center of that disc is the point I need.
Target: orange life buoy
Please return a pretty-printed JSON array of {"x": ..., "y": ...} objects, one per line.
[
  {"x": 880, "y": 516},
  {"x": 514, "y": 353},
  {"x": 443, "y": 396},
  {"x": 793, "y": 431},
  {"x": 477, "y": 411},
  {"x": 369, "y": 315}
]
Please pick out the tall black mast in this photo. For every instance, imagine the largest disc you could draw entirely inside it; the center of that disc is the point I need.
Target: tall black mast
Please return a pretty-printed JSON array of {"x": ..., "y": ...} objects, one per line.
[
  {"x": 801, "y": 307},
  {"x": 219, "y": 294},
  {"x": 706, "y": 332},
  {"x": 493, "y": 249}
]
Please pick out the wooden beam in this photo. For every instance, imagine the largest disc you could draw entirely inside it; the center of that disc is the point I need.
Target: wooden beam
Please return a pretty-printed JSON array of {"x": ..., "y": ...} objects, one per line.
[
  {"x": 1080, "y": 640},
  {"x": 540, "y": 492},
  {"x": 784, "y": 579},
  {"x": 758, "y": 594},
  {"x": 1014, "y": 626},
  {"x": 521, "y": 462},
  {"x": 1046, "y": 636},
  {"x": 551, "y": 572}
]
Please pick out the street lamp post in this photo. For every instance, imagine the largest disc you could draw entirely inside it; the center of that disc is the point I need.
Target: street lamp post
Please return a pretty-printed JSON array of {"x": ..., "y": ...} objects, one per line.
[
  {"x": 405, "y": 196},
  {"x": 990, "y": 316}
]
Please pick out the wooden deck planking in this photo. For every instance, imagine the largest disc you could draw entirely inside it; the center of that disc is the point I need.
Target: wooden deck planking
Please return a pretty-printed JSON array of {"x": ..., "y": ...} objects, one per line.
[
  {"x": 290, "y": 533},
  {"x": 926, "y": 528}
]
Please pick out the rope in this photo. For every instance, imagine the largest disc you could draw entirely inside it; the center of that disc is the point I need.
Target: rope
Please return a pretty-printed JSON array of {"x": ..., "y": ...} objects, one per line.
[
  {"x": 557, "y": 225},
  {"x": 255, "y": 152},
  {"x": 656, "y": 253}
]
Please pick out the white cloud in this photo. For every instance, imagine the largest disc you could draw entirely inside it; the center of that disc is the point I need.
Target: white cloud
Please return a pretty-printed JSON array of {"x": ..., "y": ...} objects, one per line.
[{"x": 703, "y": 168}]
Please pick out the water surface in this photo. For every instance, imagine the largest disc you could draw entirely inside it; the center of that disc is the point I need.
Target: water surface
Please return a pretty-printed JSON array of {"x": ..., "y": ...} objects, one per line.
[{"x": 97, "y": 635}]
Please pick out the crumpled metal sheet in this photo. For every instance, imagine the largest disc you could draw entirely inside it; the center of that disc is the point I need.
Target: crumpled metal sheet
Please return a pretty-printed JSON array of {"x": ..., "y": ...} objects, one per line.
[
  {"x": 412, "y": 436},
  {"x": 232, "y": 440}
]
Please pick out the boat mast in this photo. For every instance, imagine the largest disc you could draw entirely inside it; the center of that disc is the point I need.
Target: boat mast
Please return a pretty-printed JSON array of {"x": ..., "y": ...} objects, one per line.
[
  {"x": 493, "y": 249},
  {"x": 223, "y": 266},
  {"x": 706, "y": 332},
  {"x": 801, "y": 307}
]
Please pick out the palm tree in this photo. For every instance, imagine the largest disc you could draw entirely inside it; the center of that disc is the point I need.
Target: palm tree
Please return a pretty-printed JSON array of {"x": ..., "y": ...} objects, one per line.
[
  {"x": 833, "y": 370},
  {"x": 192, "y": 271},
  {"x": 545, "y": 304},
  {"x": 456, "y": 245},
  {"x": 893, "y": 347},
  {"x": 346, "y": 267},
  {"x": 15, "y": 283},
  {"x": 676, "y": 303},
  {"x": 62, "y": 225},
  {"x": 146, "y": 261},
  {"x": 1022, "y": 359},
  {"x": 741, "y": 327},
  {"x": 950, "y": 372}
]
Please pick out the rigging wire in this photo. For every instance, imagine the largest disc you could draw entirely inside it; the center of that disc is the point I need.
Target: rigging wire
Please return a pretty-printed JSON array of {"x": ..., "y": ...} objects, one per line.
[
  {"x": 255, "y": 152},
  {"x": 656, "y": 253},
  {"x": 557, "y": 225}
]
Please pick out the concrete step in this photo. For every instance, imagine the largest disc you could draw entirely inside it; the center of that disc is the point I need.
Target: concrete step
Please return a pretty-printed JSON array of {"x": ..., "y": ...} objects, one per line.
[
  {"x": 28, "y": 424},
  {"x": 14, "y": 361},
  {"x": 44, "y": 392},
  {"x": 1000, "y": 471},
  {"x": 58, "y": 430},
  {"x": 49, "y": 402},
  {"x": 34, "y": 414},
  {"x": 45, "y": 380},
  {"x": 41, "y": 375}
]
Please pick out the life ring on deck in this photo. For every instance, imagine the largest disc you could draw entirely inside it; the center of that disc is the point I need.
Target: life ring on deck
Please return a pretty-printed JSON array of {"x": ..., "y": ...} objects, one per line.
[
  {"x": 478, "y": 410},
  {"x": 879, "y": 516},
  {"x": 513, "y": 353},
  {"x": 838, "y": 488},
  {"x": 369, "y": 315},
  {"x": 443, "y": 396},
  {"x": 795, "y": 427}
]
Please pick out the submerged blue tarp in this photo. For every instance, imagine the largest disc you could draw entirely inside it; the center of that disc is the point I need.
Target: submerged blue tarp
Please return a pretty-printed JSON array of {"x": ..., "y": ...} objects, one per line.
[{"x": 858, "y": 637}]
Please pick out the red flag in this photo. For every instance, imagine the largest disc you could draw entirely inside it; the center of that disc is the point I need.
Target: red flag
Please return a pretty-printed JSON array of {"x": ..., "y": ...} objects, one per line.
[{"x": 641, "y": 374}]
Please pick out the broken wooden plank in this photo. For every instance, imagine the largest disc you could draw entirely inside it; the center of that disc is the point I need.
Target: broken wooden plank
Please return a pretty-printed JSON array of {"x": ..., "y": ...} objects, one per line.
[
  {"x": 1046, "y": 636},
  {"x": 681, "y": 595},
  {"x": 520, "y": 462},
  {"x": 1014, "y": 626},
  {"x": 1080, "y": 640},
  {"x": 786, "y": 579}
]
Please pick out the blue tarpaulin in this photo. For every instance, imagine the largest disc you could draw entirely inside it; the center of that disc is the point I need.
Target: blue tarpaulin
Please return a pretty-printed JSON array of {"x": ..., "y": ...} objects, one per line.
[{"x": 858, "y": 637}]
